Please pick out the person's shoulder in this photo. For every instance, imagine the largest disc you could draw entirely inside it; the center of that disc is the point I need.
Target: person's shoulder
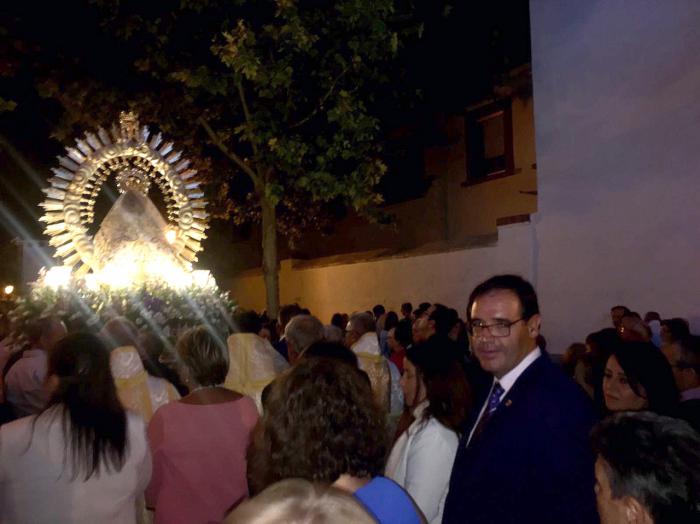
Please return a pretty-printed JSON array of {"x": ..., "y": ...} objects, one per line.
[
  {"x": 546, "y": 376},
  {"x": 247, "y": 406},
  {"x": 433, "y": 431},
  {"x": 382, "y": 485},
  {"x": 547, "y": 385},
  {"x": 388, "y": 501},
  {"x": 17, "y": 427},
  {"x": 171, "y": 410}
]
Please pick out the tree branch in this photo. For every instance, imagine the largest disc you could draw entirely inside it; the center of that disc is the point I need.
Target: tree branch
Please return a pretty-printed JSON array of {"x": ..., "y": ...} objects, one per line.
[
  {"x": 322, "y": 100},
  {"x": 229, "y": 154},
  {"x": 248, "y": 119}
]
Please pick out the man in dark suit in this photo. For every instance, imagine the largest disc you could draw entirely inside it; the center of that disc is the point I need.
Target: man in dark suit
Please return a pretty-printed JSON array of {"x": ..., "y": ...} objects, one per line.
[{"x": 524, "y": 456}]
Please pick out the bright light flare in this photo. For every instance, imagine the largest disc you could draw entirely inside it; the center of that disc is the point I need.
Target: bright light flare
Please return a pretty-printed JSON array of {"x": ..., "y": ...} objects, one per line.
[
  {"x": 9, "y": 289},
  {"x": 203, "y": 278},
  {"x": 91, "y": 282},
  {"x": 58, "y": 277},
  {"x": 171, "y": 236}
]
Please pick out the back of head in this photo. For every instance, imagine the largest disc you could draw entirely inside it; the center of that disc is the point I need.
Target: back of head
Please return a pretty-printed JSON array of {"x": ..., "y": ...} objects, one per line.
[
  {"x": 338, "y": 320},
  {"x": 362, "y": 323},
  {"x": 298, "y": 501},
  {"x": 422, "y": 308},
  {"x": 119, "y": 332},
  {"x": 378, "y": 311},
  {"x": 571, "y": 357},
  {"x": 404, "y": 333},
  {"x": 40, "y": 327},
  {"x": 406, "y": 308},
  {"x": 645, "y": 365},
  {"x": 633, "y": 328},
  {"x": 302, "y": 331},
  {"x": 690, "y": 352},
  {"x": 93, "y": 417},
  {"x": 653, "y": 459},
  {"x": 204, "y": 356},
  {"x": 624, "y": 309},
  {"x": 444, "y": 319},
  {"x": 447, "y": 389},
  {"x": 677, "y": 328},
  {"x": 391, "y": 319},
  {"x": 320, "y": 422},
  {"x": 516, "y": 284},
  {"x": 333, "y": 350},
  {"x": 246, "y": 321},
  {"x": 287, "y": 313},
  {"x": 332, "y": 333},
  {"x": 151, "y": 347},
  {"x": 601, "y": 343}
]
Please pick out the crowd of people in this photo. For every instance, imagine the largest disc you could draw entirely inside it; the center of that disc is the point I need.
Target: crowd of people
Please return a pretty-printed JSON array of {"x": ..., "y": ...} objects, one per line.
[{"x": 409, "y": 417}]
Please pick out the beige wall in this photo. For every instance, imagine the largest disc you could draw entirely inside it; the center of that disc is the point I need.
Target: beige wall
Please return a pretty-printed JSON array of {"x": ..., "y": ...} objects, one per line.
[
  {"x": 446, "y": 277},
  {"x": 438, "y": 249},
  {"x": 474, "y": 209},
  {"x": 450, "y": 212}
]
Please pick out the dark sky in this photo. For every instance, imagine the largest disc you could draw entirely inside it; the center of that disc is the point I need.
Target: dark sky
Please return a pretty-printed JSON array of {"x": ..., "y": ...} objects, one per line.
[{"x": 454, "y": 64}]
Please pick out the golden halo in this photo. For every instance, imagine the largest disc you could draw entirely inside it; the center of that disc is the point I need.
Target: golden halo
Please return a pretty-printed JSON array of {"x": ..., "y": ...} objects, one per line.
[{"x": 69, "y": 206}]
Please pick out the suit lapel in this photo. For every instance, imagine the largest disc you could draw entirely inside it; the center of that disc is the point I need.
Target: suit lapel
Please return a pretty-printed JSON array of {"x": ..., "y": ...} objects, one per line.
[{"x": 512, "y": 398}]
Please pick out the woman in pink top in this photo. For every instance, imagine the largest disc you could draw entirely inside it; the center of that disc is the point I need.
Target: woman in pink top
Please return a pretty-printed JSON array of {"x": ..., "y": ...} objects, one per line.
[{"x": 199, "y": 442}]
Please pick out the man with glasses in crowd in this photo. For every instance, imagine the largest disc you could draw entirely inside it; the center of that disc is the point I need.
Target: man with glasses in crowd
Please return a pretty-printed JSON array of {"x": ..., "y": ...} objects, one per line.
[{"x": 524, "y": 456}]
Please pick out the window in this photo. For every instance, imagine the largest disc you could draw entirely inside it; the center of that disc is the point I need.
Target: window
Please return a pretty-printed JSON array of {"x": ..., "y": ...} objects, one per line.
[{"x": 489, "y": 142}]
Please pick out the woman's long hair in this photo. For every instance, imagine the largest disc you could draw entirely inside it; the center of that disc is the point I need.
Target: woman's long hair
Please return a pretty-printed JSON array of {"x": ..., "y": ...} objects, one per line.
[
  {"x": 447, "y": 390},
  {"x": 85, "y": 398}
]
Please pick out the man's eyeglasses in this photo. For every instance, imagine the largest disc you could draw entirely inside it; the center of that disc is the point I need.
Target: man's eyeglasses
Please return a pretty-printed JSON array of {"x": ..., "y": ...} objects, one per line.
[{"x": 497, "y": 329}]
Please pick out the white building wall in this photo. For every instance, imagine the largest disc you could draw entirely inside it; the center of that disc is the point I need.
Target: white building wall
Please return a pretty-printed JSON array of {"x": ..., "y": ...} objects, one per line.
[
  {"x": 617, "y": 120},
  {"x": 443, "y": 277}
]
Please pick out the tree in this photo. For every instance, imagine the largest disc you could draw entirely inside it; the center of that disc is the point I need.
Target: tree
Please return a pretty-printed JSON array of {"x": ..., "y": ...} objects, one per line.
[
  {"x": 302, "y": 78},
  {"x": 278, "y": 96}
]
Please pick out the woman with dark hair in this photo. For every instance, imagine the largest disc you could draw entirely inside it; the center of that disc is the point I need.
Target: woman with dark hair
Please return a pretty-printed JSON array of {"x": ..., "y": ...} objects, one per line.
[
  {"x": 321, "y": 424},
  {"x": 638, "y": 377},
  {"x": 436, "y": 390},
  {"x": 82, "y": 459},
  {"x": 339, "y": 320},
  {"x": 387, "y": 323},
  {"x": 199, "y": 442},
  {"x": 158, "y": 361}
]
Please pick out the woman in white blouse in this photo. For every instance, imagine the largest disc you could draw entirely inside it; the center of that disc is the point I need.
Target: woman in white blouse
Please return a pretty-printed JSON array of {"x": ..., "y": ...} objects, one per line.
[
  {"x": 84, "y": 459},
  {"x": 436, "y": 390}
]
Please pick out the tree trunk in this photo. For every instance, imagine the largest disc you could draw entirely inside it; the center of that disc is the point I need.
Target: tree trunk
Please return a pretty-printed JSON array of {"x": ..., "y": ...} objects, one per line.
[{"x": 270, "y": 262}]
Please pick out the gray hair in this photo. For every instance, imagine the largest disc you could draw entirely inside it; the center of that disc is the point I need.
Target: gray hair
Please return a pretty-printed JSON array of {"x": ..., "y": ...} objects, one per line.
[
  {"x": 302, "y": 331},
  {"x": 362, "y": 323},
  {"x": 333, "y": 333}
]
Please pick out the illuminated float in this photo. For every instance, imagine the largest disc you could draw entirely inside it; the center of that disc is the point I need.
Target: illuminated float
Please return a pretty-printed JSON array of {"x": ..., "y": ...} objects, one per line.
[{"x": 138, "y": 263}]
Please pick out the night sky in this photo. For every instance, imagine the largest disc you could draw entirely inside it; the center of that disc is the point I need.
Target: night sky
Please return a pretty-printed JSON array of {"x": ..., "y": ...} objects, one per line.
[{"x": 455, "y": 63}]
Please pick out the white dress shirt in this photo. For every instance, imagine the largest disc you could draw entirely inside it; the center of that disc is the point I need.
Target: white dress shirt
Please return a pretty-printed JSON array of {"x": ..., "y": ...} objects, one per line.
[
  {"x": 25, "y": 383},
  {"x": 36, "y": 484},
  {"x": 507, "y": 381},
  {"x": 421, "y": 462}
]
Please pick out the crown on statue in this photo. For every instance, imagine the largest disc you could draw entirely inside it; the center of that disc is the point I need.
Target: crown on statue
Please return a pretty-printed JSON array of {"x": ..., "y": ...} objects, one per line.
[
  {"x": 129, "y": 123},
  {"x": 133, "y": 179}
]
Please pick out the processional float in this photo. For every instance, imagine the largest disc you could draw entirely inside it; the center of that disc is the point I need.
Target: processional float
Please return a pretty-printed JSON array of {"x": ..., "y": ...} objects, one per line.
[{"x": 139, "y": 263}]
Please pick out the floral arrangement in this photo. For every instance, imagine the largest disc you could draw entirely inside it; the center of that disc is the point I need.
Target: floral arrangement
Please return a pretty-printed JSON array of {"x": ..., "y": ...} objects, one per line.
[{"x": 155, "y": 306}]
